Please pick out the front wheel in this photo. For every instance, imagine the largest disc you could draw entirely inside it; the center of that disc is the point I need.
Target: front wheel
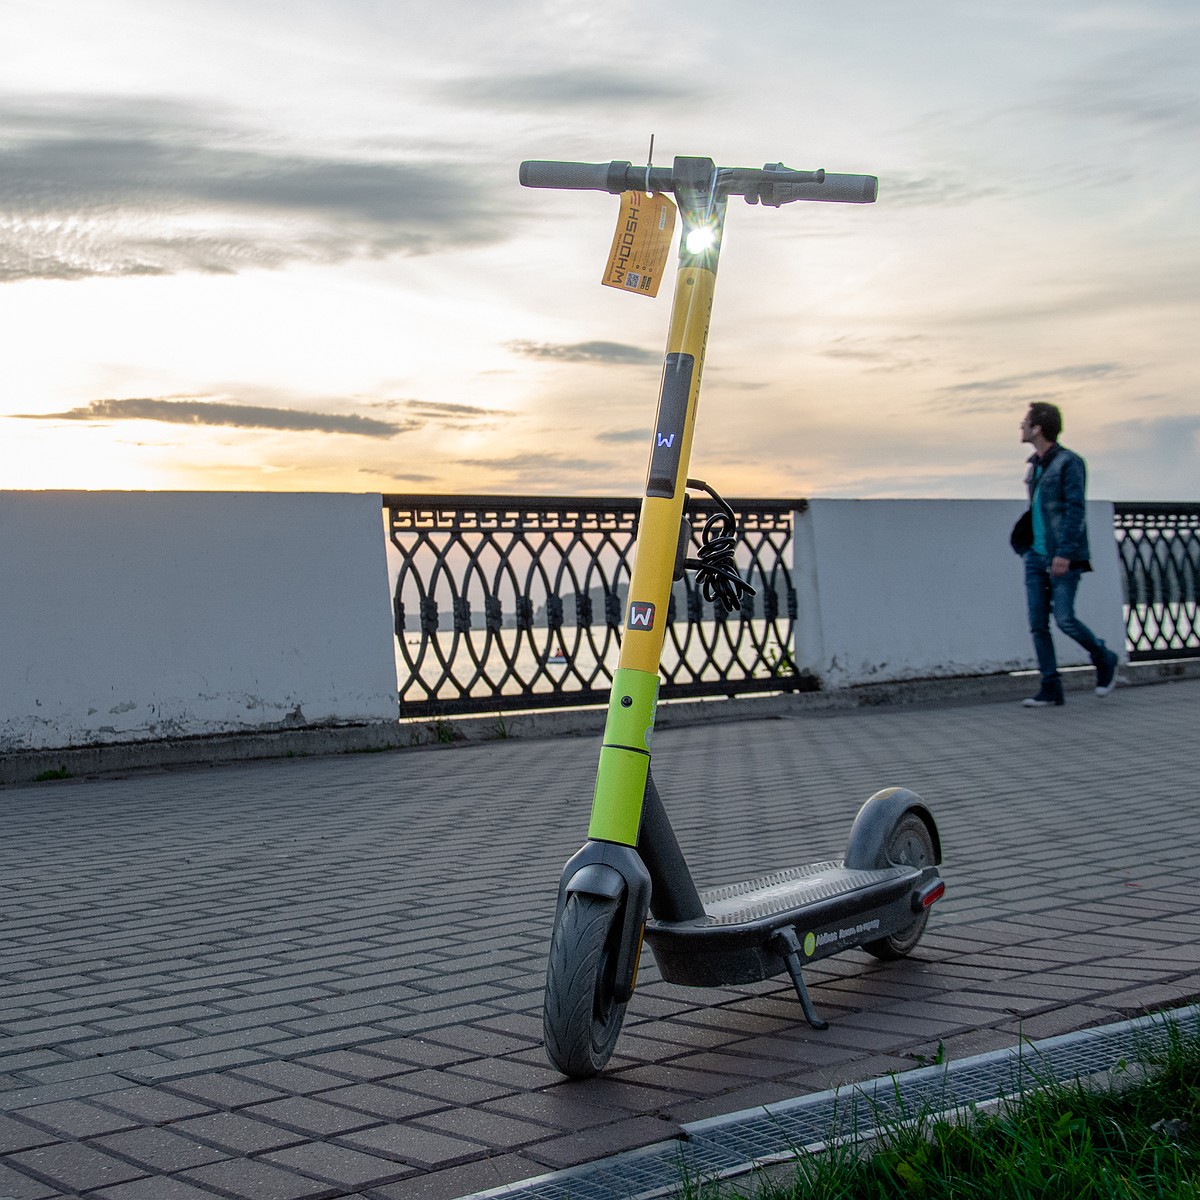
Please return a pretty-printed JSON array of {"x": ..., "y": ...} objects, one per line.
[
  {"x": 581, "y": 1017},
  {"x": 908, "y": 844}
]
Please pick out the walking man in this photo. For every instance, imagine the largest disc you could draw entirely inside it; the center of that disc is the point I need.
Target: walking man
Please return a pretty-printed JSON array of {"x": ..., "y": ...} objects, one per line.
[{"x": 1058, "y": 554}]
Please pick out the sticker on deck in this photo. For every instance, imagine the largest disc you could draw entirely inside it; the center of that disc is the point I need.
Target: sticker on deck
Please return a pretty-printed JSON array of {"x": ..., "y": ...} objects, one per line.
[{"x": 641, "y": 243}]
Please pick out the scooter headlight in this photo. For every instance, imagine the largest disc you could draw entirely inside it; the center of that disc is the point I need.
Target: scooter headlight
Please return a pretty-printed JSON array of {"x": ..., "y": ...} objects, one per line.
[{"x": 701, "y": 238}]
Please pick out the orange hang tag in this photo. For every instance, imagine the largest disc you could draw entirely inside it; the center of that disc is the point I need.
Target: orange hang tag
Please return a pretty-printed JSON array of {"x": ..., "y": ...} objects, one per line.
[{"x": 641, "y": 244}]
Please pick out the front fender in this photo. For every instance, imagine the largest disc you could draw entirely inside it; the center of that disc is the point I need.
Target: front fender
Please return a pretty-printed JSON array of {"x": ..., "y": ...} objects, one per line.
[{"x": 613, "y": 872}]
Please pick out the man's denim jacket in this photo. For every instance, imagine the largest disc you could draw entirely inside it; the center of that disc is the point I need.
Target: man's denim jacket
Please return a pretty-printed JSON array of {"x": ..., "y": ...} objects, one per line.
[{"x": 1060, "y": 493}]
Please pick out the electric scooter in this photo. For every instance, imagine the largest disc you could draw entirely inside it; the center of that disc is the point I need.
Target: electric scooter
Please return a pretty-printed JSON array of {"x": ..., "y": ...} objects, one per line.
[{"x": 630, "y": 881}]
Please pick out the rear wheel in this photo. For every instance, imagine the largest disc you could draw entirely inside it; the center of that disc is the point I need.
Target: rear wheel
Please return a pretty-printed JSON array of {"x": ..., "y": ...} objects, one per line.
[
  {"x": 909, "y": 844},
  {"x": 581, "y": 1017}
]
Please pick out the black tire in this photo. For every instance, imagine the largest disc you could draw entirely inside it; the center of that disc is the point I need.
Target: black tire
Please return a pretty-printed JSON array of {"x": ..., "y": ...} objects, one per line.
[
  {"x": 908, "y": 844},
  {"x": 581, "y": 1019}
]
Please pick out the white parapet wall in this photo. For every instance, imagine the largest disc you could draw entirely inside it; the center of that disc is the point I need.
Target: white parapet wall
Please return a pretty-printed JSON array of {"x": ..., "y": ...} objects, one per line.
[
  {"x": 891, "y": 590},
  {"x": 134, "y": 616}
]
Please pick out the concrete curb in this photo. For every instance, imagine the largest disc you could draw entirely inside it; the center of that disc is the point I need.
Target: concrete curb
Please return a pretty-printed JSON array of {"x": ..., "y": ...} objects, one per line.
[{"x": 31, "y": 766}]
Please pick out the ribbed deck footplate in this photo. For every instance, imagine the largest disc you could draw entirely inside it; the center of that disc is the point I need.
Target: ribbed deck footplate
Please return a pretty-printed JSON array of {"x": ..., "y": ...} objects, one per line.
[{"x": 738, "y": 903}]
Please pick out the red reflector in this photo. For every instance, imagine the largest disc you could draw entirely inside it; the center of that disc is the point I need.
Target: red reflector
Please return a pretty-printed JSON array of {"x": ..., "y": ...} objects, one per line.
[{"x": 935, "y": 893}]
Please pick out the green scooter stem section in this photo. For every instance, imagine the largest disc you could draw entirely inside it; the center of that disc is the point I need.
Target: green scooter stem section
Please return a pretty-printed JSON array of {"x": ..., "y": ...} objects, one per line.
[{"x": 624, "y": 758}]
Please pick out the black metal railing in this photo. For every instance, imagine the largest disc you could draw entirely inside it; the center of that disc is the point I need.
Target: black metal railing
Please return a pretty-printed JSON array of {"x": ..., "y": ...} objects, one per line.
[
  {"x": 516, "y": 602},
  {"x": 1159, "y": 546}
]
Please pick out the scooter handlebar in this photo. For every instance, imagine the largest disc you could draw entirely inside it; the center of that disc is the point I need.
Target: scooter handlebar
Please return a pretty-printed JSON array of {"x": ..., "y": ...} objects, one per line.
[
  {"x": 774, "y": 185},
  {"x": 570, "y": 176},
  {"x": 779, "y": 185}
]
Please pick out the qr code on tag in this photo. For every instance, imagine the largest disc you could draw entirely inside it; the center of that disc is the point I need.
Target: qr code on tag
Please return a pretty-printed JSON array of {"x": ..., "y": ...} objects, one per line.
[{"x": 633, "y": 280}]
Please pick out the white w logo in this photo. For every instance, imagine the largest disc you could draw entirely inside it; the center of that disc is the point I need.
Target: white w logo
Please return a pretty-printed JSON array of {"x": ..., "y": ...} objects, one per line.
[{"x": 666, "y": 439}]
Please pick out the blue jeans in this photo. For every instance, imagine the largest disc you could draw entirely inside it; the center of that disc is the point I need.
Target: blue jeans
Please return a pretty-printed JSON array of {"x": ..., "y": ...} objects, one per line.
[{"x": 1048, "y": 593}]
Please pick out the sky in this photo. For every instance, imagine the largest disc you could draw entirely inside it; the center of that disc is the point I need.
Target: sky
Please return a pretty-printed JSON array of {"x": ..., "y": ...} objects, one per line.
[{"x": 251, "y": 247}]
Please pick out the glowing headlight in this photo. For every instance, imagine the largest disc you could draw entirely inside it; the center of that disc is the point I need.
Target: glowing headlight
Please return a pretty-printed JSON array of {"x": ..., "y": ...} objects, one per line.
[{"x": 700, "y": 239}]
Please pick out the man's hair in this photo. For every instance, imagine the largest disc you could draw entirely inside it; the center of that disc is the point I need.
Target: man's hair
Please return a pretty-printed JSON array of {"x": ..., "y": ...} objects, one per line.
[{"x": 1048, "y": 417}]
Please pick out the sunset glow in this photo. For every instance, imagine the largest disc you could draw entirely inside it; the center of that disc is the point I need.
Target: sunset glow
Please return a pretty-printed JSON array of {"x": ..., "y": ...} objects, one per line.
[{"x": 239, "y": 253}]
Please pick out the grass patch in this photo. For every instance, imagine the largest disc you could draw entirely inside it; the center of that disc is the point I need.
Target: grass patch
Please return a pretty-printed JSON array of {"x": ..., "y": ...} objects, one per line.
[
  {"x": 45, "y": 776},
  {"x": 1061, "y": 1142}
]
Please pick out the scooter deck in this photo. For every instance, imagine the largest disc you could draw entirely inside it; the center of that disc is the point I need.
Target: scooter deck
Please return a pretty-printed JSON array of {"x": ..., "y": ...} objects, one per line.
[
  {"x": 783, "y": 891},
  {"x": 831, "y": 907}
]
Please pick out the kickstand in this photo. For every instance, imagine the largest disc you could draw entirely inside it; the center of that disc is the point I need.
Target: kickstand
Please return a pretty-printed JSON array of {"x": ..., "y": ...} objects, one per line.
[{"x": 787, "y": 944}]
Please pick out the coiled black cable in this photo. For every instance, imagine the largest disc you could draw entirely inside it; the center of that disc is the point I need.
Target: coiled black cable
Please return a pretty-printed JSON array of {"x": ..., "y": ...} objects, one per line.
[{"x": 716, "y": 569}]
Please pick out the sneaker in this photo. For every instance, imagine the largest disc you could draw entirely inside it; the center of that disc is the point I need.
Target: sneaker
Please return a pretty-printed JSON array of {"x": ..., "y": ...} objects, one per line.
[
  {"x": 1049, "y": 695},
  {"x": 1106, "y": 673}
]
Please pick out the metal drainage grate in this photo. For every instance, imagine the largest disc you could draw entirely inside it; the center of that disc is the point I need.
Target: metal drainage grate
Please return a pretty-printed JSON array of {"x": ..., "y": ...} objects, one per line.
[{"x": 724, "y": 1147}]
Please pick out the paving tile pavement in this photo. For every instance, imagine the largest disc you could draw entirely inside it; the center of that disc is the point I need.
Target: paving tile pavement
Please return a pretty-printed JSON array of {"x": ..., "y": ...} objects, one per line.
[{"x": 322, "y": 977}]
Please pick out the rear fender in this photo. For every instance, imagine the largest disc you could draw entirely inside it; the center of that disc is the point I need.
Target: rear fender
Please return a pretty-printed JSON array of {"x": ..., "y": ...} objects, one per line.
[{"x": 876, "y": 820}]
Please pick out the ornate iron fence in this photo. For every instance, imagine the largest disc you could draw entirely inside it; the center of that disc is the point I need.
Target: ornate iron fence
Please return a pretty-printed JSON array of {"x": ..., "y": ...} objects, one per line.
[
  {"x": 1159, "y": 545},
  {"x": 517, "y": 602},
  {"x": 514, "y": 602}
]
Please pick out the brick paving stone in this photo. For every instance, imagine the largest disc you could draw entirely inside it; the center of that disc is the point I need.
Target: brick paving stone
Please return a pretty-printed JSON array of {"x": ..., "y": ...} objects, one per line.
[
  {"x": 450, "y": 1087},
  {"x": 588, "y": 1144},
  {"x": 222, "y": 1091},
  {"x": 465, "y": 1180},
  {"x": 290, "y": 1077},
  {"x": 384, "y": 1101},
  {"x": 558, "y": 1108},
  {"x": 75, "y": 1118},
  {"x": 74, "y": 1167},
  {"x": 17, "y": 1135},
  {"x": 154, "y": 1106},
  {"x": 253, "y": 1179},
  {"x": 157, "y": 1188},
  {"x": 795, "y": 1048},
  {"x": 613, "y": 1092},
  {"x": 1063, "y": 1020},
  {"x": 408, "y": 1144},
  {"x": 481, "y": 1124},
  {"x": 130, "y": 1061},
  {"x": 752, "y": 1097},
  {"x": 732, "y": 1068},
  {"x": 336, "y": 1039},
  {"x": 511, "y": 1073},
  {"x": 339, "y": 1165},
  {"x": 680, "y": 1077},
  {"x": 15, "y": 1185},
  {"x": 304, "y": 1114},
  {"x": 355, "y": 1065},
  {"x": 29, "y": 1058},
  {"x": 158, "y": 1150},
  {"x": 479, "y": 1041},
  {"x": 190, "y": 1066},
  {"x": 69, "y": 1089},
  {"x": 237, "y": 1133},
  {"x": 1149, "y": 997}
]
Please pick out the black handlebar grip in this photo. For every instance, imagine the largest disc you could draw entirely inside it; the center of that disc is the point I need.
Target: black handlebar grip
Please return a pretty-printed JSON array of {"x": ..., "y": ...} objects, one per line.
[
  {"x": 837, "y": 189},
  {"x": 571, "y": 176}
]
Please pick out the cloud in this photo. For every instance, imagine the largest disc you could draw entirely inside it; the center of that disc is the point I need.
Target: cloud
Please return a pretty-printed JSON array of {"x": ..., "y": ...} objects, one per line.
[
  {"x": 93, "y": 188},
  {"x": 438, "y": 408},
  {"x": 565, "y": 89},
  {"x": 610, "y": 353},
  {"x": 1147, "y": 91},
  {"x": 941, "y": 192},
  {"x": 221, "y": 413},
  {"x": 623, "y": 437},
  {"x": 1001, "y": 392},
  {"x": 890, "y": 354}
]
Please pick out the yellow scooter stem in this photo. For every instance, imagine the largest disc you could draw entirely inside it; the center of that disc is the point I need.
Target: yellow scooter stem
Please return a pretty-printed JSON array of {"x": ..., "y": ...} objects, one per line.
[{"x": 625, "y": 753}]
